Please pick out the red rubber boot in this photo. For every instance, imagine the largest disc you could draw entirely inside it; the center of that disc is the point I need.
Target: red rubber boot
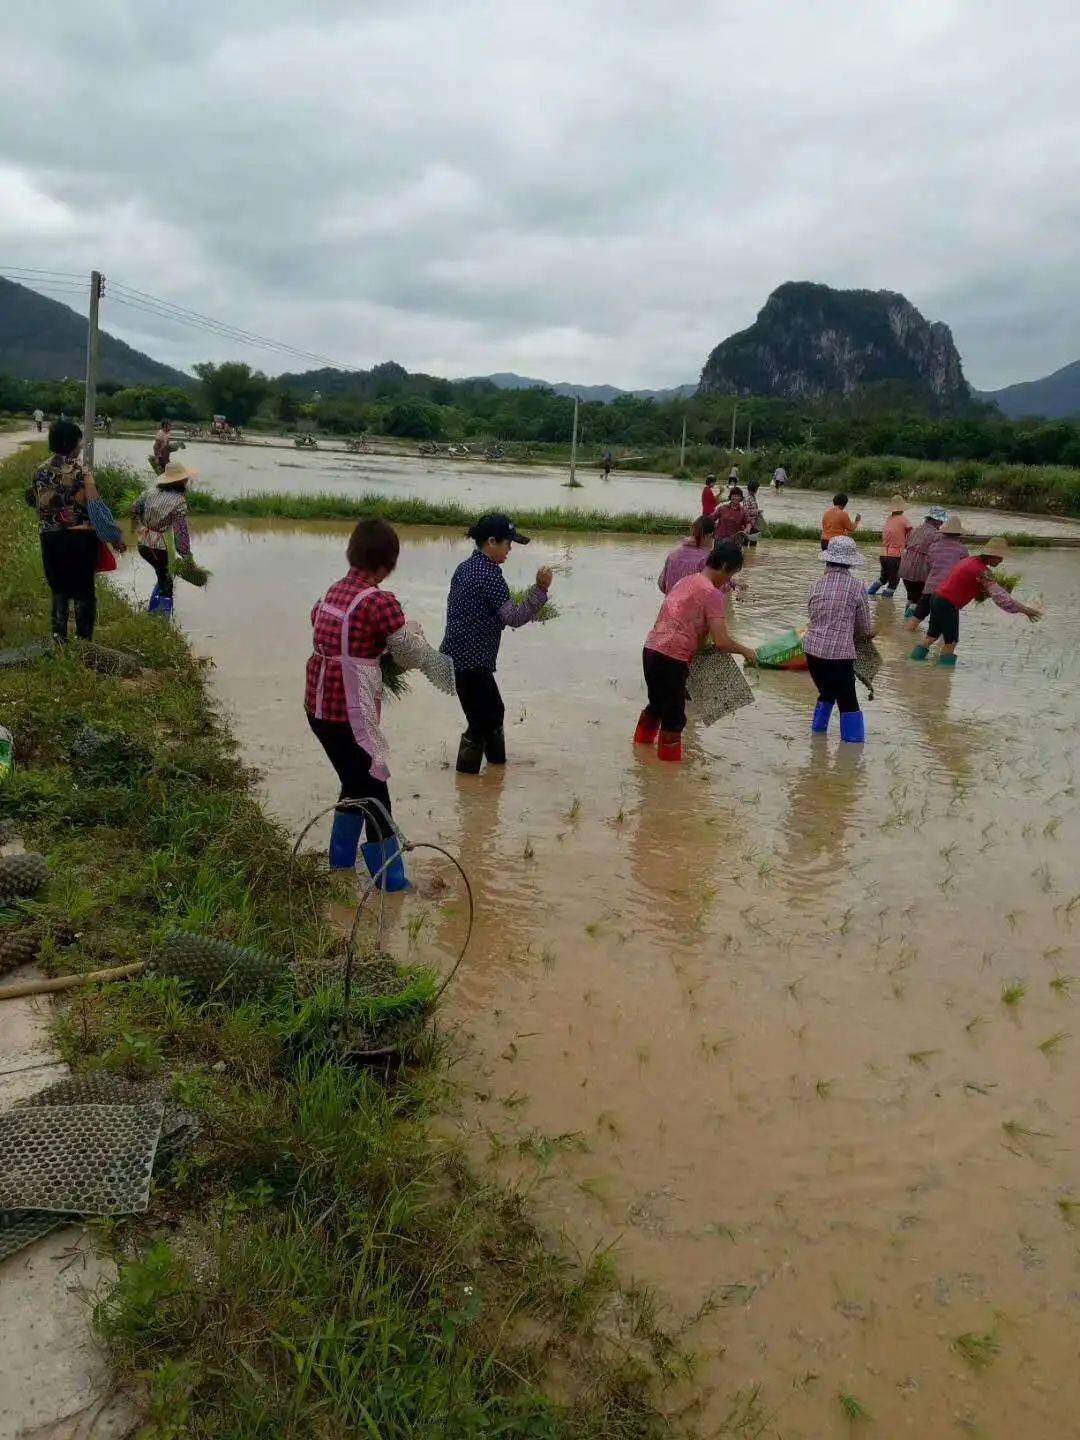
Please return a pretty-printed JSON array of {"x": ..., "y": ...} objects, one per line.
[
  {"x": 670, "y": 747},
  {"x": 647, "y": 729}
]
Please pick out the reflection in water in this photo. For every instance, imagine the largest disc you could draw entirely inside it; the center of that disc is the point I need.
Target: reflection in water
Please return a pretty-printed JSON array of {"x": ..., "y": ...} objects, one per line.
[{"x": 764, "y": 987}]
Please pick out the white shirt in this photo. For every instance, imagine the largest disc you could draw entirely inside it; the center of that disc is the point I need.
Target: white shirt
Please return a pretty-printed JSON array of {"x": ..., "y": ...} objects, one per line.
[
  {"x": 39, "y": 415},
  {"x": 780, "y": 475}
]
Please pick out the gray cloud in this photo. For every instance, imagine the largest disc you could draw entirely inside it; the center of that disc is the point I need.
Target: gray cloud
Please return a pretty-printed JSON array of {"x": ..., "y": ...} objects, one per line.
[{"x": 576, "y": 188}]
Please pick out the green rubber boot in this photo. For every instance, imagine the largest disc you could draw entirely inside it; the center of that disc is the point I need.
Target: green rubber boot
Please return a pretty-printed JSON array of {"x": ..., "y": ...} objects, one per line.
[
  {"x": 946, "y": 660},
  {"x": 919, "y": 653}
]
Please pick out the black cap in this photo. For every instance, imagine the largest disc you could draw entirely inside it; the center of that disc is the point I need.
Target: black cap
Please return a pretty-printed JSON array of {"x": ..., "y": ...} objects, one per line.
[{"x": 496, "y": 527}]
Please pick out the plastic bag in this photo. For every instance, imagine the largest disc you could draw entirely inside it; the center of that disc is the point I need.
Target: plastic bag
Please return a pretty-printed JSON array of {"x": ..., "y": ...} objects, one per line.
[{"x": 783, "y": 652}]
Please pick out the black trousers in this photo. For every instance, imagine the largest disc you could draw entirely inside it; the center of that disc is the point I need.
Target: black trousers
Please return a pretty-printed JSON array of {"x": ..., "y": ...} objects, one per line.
[
  {"x": 353, "y": 765},
  {"x": 914, "y": 590},
  {"x": 69, "y": 559},
  {"x": 944, "y": 621},
  {"x": 159, "y": 559},
  {"x": 481, "y": 702},
  {"x": 922, "y": 606},
  {"x": 665, "y": 680},
  {"x": 890, "y": 570},
  {"x": 835, "y": 681}
]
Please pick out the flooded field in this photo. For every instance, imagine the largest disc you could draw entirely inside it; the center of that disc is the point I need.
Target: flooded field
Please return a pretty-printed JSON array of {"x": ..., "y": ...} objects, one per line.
[
  {"x": 231, "y": 471},
  {"x": 795, "y": 1025}
]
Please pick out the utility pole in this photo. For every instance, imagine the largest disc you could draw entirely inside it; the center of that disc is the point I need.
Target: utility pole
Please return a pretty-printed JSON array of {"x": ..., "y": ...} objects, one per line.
[
  {"x": 573, "y": 446},
  {"x": 749, "y": 432},
  {"x": 97, "y": 285},
  {"x": 682, "y": 447},
  {"x": 734, "y": 412}
]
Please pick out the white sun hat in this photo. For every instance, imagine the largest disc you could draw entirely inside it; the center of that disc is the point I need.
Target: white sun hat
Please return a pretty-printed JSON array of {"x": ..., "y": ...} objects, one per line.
[{"x": 841, "y": 550}]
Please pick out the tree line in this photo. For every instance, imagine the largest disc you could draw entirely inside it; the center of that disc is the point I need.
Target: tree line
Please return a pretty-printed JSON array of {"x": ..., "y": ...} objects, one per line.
[{"x": 389, "y": 400}]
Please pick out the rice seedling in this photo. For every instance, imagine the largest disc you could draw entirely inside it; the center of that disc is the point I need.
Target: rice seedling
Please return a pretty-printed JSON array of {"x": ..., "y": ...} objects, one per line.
[
  {"x": 642, "y": 1054},
  {"x": 536, "y": 1145},
  {"x": 1041, "y": 873},
  {"x": 1017, "y": 1135},
  {"x": 1062, "y": 984},
  {"x": 575, "y": 809},
  {"x": 1012, "y": 992},
  {"x": 1053, "y": 1043},
  {"x": 606, "y": 1121},
  {"x": 514, "y": 1100},
  {"x": 978, "y": 1350},
  {"x": 529, "y": 853},
  {"x": 1050, "y": 829},
  {"x": 792, "y": 987},
  {"x": 978, "y": 1087},
  {"x": 592, "y": 929},
  {"x": 853, "y": 1409},
  {"x": 1069, "y": 1210},
  {"x": 824, "y": 1089},
  {"x": 921, "y": 1057},
  {"x": 547, "y": 957},
  {"x": 975, "y": 1023}
]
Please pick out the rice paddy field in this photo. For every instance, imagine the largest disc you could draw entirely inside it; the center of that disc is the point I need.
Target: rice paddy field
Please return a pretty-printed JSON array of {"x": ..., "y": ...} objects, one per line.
[{"x": 793, "y": 1028}]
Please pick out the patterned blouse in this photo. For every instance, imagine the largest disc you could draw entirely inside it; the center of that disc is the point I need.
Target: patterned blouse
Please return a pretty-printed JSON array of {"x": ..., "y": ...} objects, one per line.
[
  {"x": 478, "y": 609},
  {"x": 839, "y": 615},
  {"x": 157, "y": 511},
  {"x": 58, "y": 492}
]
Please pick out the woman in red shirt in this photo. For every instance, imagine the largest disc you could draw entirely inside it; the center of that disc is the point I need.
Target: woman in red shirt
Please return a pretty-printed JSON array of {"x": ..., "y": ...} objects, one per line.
[
  {"x": 971, "y": 579},
  {"x": 709, "y": 501}
]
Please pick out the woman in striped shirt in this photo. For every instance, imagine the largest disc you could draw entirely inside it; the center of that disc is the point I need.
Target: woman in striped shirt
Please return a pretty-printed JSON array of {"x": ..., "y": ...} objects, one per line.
[{"x": 161, "y": 508}]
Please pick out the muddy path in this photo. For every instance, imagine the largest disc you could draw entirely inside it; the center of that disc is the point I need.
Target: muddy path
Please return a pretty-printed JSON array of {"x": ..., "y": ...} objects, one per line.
[{"x": 796, "y": 1026}]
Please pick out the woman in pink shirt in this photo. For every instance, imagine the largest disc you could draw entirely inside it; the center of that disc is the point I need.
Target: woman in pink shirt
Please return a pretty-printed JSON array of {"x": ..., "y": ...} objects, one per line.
[
  {"x": 894, "y": 536},
  {"x": 694, "y": 609},
  {"x": 689, "y": 557}
]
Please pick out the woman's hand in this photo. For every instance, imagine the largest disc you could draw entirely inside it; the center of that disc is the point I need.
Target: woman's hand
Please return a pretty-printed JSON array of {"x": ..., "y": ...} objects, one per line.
[
  {"x": 750, "y": 656},
  {"x": 544, "y": 577}
]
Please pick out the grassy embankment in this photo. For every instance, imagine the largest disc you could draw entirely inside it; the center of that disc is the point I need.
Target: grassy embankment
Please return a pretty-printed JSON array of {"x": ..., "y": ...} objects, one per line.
[
  {"x": 321, "y": 1264},
  {"x": 120, "y": 484}
]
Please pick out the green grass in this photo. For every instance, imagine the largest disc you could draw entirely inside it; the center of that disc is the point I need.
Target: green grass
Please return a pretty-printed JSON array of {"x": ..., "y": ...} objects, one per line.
[
  {"x": 322, "y": 1263},
  {"x": 978, "y": 1350}
]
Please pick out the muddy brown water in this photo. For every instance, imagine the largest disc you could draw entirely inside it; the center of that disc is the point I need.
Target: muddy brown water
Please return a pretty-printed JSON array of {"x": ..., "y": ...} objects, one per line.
[
  {"x": 231, "y": 471},
  {"x": 758, "y": 996}
]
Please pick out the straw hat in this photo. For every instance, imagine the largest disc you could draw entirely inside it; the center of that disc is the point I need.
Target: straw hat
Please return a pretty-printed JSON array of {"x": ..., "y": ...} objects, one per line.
[
  {"x": 174, "y": 472},
  {"x": 841, "y": 550},
  {"x": 996, "y": 545},
  {"x": 897, "y": 504},
  {"x": 952, "y": 526}
]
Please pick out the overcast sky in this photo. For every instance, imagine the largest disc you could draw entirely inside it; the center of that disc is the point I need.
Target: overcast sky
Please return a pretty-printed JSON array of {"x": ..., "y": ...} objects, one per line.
[{"x": 586, "y": 190}]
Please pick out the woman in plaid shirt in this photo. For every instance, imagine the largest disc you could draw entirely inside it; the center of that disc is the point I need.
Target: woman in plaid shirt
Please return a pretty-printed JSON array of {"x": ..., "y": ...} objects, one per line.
[
  {"x": 354, "y": 625},
  {"x": 839, "y": 615}
]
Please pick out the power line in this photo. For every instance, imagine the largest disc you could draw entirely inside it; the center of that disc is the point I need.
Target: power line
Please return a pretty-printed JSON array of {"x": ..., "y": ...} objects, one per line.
[{"x": 69, "y": 282}]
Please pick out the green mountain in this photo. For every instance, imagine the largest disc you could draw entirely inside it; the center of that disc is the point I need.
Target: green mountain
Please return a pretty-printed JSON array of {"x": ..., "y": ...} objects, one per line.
[
  {"x": 1055, "y": 396},
  {"x": 40, "y": 339},
  {"x": 810, "y": 342}
]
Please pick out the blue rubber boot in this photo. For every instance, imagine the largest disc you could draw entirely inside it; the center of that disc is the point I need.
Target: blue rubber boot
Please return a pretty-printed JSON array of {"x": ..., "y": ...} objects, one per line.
[
  {"x": 344, "y": 838},
  {"x": 377, "y": 854},
  {"x": 946, "y": 660},
  {"x": 919, "y": 653},
  {"x": 822, "y": 712},
  {"x": 887, "y": 594},
  {"x": 874, "y": 588},
  {"x": 155, "y": 598},
  {"x": 853, "y": 727},
  {"x": 164, "y": 606}
]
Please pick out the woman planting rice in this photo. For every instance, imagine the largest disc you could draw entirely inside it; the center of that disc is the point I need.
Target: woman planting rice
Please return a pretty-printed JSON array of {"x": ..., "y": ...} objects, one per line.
[
  {"x": 689, "y": 557},
  {"x": 696, "y": 608},
  {"x": 971, "y": 579},
  {"x": 161, "y": 508},
  {"x": 839, "y": 615}
]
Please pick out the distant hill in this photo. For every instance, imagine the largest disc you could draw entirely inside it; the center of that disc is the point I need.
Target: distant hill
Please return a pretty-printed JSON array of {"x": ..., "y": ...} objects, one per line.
[
  {"x": 40, "y": 339},
  {"x": 810, "y": 342},
  {"x": 507, "y": 380},
  {"x": 1055, "y": 396}
]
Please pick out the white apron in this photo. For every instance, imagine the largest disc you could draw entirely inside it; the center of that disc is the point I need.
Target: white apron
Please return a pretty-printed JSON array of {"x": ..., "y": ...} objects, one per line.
[{"x": 363, "y": 682}]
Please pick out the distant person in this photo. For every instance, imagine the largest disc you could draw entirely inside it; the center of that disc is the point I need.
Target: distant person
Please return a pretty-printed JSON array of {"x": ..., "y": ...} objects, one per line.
[
  {"x": 753, "y": 512},
  {"x": 894, "y": 536},
  {"x": 689, "y": 557},
  {"x": 836, "y": 521},
  {"x": 164, "y": 445},
  {"x": 945, "y": 552},
  {"x": 779, "y": 478},
  {"x": 161, "y": 508},
  {"x": 694, "y": 610},
  {"x": 74, "y": 523},
  {"x": 839, "y": 615},
  {"x": 915, "y": 561},
  {"x": 732, "y": 521},
  {"x": 733, "y": 475},
  {"x": 607, "y": 463},
  {"x": 478, "y": 609},
  {"x": 972, "y": 579},
  {"x": 709, "y": 497},
  {"x": 39, "y": 419}
]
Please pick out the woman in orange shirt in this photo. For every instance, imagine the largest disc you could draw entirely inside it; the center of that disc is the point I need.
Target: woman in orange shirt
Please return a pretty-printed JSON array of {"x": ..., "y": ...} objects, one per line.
[
  {"x": 894, "y": 536},
  {"x": 836, "y": 521}
]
